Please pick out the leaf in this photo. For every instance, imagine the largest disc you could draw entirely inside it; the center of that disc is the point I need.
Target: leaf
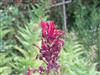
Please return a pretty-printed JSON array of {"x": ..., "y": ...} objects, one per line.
[{"x": 23, "y": 52}]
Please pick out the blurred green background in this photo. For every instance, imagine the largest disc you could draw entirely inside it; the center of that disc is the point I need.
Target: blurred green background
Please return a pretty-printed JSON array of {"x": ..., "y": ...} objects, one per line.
[{"x": 20, "y": 28}]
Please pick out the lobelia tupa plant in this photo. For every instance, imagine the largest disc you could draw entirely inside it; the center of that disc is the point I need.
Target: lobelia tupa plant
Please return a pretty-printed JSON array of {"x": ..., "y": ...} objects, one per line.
[{"x": 50, "y": 48}]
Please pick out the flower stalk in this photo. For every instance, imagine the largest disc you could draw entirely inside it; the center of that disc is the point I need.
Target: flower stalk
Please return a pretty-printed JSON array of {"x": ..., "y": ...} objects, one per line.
[{"x": 51, "y": 44}]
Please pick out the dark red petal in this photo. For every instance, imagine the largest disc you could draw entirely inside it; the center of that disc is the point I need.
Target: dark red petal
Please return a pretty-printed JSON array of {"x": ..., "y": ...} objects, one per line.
[
  {"x": 51, "y": 28},
  {"x": 43, "y": 44},
  {"x": 41, "y": 69},
  {"x": 61, "y": 42},
  {"x": 58, "y": 33},
  {"x": 44, "y": 26}
]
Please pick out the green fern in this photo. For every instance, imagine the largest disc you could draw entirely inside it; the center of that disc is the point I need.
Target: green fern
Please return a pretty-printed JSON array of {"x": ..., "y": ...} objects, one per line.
[{"x": 74, "y": 58}]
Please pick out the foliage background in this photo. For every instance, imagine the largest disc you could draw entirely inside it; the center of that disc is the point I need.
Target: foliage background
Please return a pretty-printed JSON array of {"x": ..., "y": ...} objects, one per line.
[{"x": 20, "y": 29}]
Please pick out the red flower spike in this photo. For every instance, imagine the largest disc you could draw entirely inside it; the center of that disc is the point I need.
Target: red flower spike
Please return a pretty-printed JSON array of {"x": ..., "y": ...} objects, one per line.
[{"x": 51, "y": 45}]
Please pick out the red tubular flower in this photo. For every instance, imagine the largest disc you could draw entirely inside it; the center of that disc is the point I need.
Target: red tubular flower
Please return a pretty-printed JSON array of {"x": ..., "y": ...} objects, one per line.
[
  {"x": 44, "y": 26},
  {"x": 51, "y": 44}
]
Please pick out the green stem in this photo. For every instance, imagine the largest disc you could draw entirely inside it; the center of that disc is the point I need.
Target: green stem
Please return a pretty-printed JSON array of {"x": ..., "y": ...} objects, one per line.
[
  {"x": 98, "y": 44},
  {"x": 98, "y": 47}
]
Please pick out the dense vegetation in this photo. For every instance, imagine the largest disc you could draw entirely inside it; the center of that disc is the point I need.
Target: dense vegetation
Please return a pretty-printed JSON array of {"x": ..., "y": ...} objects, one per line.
[{"x": 20, "y": 30}]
